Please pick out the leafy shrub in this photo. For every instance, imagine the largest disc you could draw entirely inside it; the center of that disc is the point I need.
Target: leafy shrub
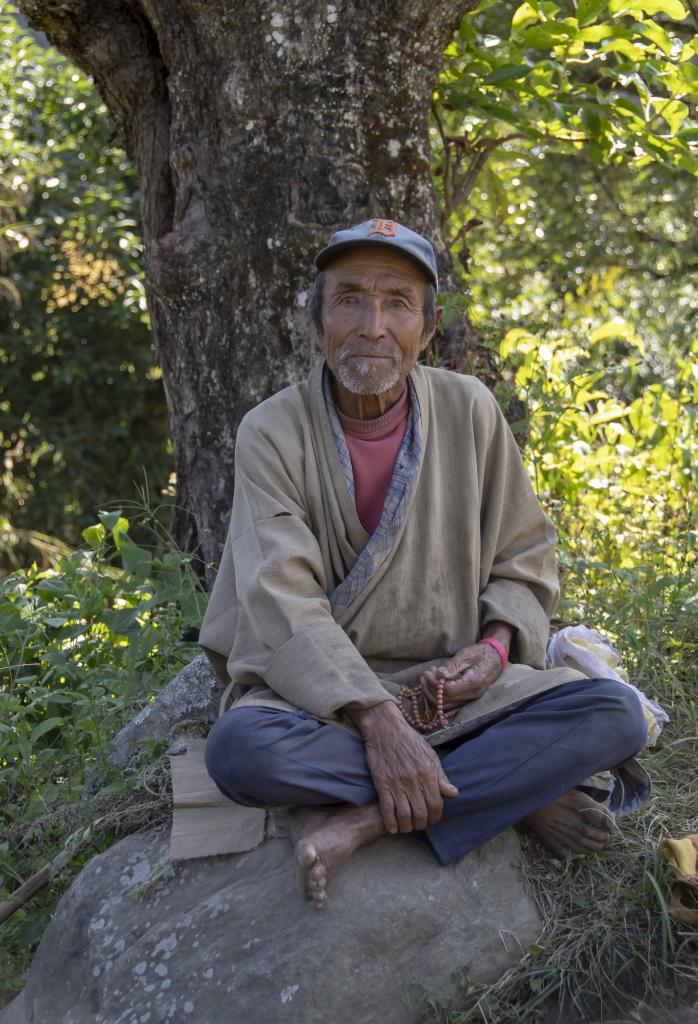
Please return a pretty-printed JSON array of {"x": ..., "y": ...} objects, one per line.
[{"x": 83, "y": 646}]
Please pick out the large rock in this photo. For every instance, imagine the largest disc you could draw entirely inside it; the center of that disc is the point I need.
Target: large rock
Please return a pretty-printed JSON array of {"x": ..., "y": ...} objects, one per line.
[
  {"x": 192, "y": 696},
  {"x": 14, "y": 1012},
  {"x": 137, "y": 940}
]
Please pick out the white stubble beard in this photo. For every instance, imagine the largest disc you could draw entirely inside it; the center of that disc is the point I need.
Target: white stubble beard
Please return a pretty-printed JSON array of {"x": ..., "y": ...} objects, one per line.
[{"x": 362, "y": 377}]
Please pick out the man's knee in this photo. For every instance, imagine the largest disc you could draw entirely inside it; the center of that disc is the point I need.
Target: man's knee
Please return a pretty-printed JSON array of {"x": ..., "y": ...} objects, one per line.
[
  {"x": 233, "y": 753},
  {"x": 623, "y": 720}
]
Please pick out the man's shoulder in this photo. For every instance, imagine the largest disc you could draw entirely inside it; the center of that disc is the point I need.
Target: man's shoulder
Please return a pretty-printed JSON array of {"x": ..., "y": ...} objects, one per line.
[
  {"x": 281, "y": 412},
  {"x": 463, "y": 387}
]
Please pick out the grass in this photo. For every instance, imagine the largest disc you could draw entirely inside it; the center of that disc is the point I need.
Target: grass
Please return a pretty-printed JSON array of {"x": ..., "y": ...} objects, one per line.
[{"x": 608, "y": 946}]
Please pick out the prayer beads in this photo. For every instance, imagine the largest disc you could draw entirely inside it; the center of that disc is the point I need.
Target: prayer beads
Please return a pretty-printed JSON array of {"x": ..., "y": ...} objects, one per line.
[{"x": 420, "y": 712}]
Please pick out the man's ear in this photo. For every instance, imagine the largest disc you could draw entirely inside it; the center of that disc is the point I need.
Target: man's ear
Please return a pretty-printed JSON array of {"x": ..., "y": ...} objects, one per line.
[{"x": 437, "y": 320}]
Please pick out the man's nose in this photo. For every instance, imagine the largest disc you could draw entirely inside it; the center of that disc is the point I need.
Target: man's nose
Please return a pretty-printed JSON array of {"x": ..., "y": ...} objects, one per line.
[{"x": 371, "y": 325}]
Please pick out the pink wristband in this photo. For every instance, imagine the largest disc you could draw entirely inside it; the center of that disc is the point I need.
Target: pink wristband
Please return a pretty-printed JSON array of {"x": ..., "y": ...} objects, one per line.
[{"x": 499, "y": 648}]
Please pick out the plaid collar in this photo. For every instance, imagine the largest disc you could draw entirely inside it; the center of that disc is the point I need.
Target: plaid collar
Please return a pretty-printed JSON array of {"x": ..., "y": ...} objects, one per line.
[{"x": 405, "y": 475}]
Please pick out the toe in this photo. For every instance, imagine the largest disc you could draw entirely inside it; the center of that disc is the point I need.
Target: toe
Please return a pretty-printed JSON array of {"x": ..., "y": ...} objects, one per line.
[
  {"x": 317, "y": 872},
  {"x": 319, "y": 899},
  {"x": 306, "y": 853}
]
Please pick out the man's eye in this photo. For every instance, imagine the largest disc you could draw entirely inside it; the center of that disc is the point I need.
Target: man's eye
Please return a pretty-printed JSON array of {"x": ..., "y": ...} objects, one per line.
[
  {"x": 351, "y": 299},
  {"x": 398, "y": 303}
]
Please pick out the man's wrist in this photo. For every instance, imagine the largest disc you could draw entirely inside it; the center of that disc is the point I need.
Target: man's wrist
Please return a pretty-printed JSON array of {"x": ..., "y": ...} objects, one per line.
[
  {"x": 367, "y": 719},
  {"x": 502, "y": 632}
]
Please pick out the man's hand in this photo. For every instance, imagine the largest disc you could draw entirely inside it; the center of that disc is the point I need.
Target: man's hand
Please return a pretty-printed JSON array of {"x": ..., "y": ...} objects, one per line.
[
  {"x": 470, "y": 671},
  {"x": 406, "y": 771}
]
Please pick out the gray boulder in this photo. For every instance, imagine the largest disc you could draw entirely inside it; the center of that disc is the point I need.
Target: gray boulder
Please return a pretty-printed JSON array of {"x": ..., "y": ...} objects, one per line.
[
  {"x": 14, "y": 1012},
  {"x": 192, "y": 696},
  {"x": 139, "y": 940}
]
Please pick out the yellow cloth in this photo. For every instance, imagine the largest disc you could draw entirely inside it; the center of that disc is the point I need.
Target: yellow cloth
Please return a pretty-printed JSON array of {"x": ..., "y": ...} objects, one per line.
[{"x": 682, "y": 857}]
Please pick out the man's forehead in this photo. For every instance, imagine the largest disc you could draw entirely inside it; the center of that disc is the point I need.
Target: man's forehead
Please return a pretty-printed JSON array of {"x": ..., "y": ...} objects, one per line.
[{"x": 385, "y": 269}]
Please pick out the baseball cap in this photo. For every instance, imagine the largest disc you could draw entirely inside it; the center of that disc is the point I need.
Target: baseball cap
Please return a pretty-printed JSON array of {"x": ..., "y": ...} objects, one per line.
[{"x": 387, "y": 233}]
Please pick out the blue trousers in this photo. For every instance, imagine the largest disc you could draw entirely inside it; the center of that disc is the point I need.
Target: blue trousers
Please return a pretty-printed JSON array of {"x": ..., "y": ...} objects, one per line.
[{"x": 524, "y": 760}]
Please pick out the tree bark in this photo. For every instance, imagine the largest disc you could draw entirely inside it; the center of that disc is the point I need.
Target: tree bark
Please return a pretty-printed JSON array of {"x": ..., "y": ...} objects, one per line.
[{"x": 256, "y": 132}]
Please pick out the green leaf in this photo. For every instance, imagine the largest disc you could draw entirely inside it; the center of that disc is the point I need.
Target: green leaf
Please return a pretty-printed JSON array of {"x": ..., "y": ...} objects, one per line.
[
  {"x": 689, "y": 73},
  {"x": 598, "y": 33},
  {"x": 122, "y": 621},
  {"x": 588, "y": 10},
  {"x": 53, "y": 586},
  {"x": 508, "y": 73},
  {"x": 630, "y": 107},
  {"x": 43, "y": 728},
  {"x": 687, "y": 162},
  {"x": 689, "y": 49},
  {"x": 672, "y": 8},
  {"x": 518, "y": 341},
  {"x": 115, "y": 522},
  {"x": 523, "y": 16},
  {"x": 551, "y": 33},
  {"x": 625, "y": 48},
  {"x": 94, "y": 535},
  {"x": 110, "y": 519},
  {"x": 617, "y": 329},
  {"x": 496, "y": 192},
  {"x": 135, "y": 559},
  {"x": 651, "y": 30},
  {"x": 674, "y": 112},
  {"x": 56, "y": 697},
  {"x": 502, "y": 113},
  {"x": 54, "y": 620}
]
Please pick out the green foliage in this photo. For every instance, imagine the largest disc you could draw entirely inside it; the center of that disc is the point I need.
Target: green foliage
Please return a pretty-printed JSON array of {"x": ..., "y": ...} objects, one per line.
[
  {"x": 82, "y": 410},
  {"x": 576, "y": 241},
  {"x": 83, "y": 647},
  {"x": 584, "y": 293},
  {"x": 620, "y": 475},
  {"x": 610, "y": 78},
  {"x": 568, "y": 200}
]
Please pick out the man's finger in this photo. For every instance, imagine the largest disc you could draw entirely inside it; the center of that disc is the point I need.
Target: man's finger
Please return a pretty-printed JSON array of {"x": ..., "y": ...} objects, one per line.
[
  {"x": 466, "y": 687},
  {"x": 403, "y": 812},
  {"x": 435, "y": 804},
  {"x": 463, "y": 688},
  {"x": 430, "y": 686},
  {"x": 446, "y": 788},
  {"x": 387, "y": 809},
  {"x": 420, "y": 812}
]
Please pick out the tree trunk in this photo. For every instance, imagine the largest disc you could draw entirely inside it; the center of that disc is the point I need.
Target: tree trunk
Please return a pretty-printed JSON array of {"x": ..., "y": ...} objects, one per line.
[{"x": 256, "y": 132}]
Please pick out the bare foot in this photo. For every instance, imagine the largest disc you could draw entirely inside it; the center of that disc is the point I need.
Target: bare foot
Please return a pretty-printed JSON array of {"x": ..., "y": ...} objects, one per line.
[
  {"x": 574, "y": 823},
  {"x": 331, "y": 840}
]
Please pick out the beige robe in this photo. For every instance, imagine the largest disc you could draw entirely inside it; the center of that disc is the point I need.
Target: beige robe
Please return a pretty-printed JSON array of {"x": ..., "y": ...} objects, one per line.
[{"x": 475, "y": 546}]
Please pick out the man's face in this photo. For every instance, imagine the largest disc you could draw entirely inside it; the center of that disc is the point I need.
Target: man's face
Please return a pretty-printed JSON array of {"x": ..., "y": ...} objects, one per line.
[{"x": 373, "y": 329}]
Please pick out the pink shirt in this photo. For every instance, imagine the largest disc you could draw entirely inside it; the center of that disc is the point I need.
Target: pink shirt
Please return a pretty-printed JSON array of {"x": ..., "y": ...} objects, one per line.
[{"x": 373, "y": 446}]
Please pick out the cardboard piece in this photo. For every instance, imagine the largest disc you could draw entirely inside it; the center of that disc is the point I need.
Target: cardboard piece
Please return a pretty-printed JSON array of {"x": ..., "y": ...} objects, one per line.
[{"x": 205, "y": 823}]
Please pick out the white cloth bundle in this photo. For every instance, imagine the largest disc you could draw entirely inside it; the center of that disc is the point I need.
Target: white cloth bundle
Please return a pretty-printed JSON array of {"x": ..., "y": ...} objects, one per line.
[{"x": 586, "y": 650}]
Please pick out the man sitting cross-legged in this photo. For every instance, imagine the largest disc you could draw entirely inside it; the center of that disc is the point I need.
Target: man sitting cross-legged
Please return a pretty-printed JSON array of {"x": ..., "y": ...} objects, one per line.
[{"x": 384, "y": 534}]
